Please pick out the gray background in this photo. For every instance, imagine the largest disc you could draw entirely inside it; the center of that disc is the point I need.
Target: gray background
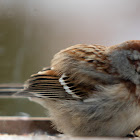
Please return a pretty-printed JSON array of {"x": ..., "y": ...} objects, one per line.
[{"x": 32, "y": 31}]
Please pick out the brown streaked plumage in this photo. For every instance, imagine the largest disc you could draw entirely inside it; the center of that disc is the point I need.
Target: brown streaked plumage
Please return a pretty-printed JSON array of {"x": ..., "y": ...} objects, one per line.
[{"x": 91, "y": 90}]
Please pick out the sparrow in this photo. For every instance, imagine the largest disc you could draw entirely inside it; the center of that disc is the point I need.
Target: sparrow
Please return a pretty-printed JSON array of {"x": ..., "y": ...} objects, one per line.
[{"x": 91, "y": 90}]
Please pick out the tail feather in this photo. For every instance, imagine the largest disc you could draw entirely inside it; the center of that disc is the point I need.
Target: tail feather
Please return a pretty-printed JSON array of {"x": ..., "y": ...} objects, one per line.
[{"x": 44, "y": 85}]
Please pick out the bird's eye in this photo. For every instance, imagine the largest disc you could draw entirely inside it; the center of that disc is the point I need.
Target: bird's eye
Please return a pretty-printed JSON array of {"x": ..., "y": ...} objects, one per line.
[{"x": 136, "y": 64}]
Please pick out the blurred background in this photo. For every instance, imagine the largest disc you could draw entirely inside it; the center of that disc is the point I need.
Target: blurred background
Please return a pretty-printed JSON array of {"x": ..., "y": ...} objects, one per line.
[{"x": 32, "y": 31}]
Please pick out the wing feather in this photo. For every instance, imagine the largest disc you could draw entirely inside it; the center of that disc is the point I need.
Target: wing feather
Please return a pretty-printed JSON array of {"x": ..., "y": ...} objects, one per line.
[{"x": 46, "y": 85}]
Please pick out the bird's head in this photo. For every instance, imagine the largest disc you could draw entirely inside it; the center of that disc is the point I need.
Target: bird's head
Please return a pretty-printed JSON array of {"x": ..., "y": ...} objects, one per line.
[{"x": 125, "y": 59}]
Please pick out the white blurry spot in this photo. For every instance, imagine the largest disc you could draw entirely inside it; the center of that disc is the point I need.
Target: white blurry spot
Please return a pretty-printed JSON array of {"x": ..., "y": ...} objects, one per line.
[
  {"x": 23, "y": 114},
  {"x": 41, "y": 72},
  {"x": 62, "y": 82},
  {"x": 75, "y": 96},
  {"x": 67, "y": 89},
  {"x": 33, "y": 136},
  {"x": 89, "y": 100}
]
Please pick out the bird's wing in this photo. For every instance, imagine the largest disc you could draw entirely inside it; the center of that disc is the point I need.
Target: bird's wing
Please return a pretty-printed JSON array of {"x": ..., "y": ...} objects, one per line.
[
  {"x": 75, "y": 73},
  {"x": 48, "y": 84},
  {"x": 45, "y": 84}
]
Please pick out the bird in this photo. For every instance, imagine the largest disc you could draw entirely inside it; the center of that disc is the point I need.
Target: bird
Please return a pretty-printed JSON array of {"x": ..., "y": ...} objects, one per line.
[{"x": 91, "y": 90}]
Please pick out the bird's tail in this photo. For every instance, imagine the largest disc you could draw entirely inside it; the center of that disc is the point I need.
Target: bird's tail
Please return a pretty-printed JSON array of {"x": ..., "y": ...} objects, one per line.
[{"x": 23, "y": 94}]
